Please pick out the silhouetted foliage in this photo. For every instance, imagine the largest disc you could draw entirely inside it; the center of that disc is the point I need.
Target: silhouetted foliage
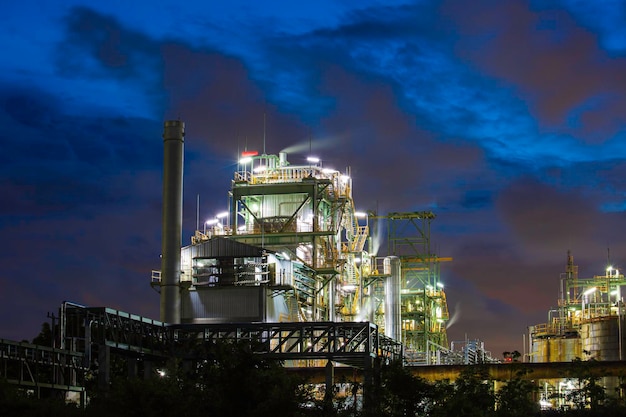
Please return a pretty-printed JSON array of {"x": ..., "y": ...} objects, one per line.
[
  {"x": 472, "y": 395},
  {"x": 224, "y": 380},
  {"x": 588, "y": 391},
  {"x": 516, "y": 398},
  {"x": 404, "y": 394},
  {"x": 15, "y": 402},
  {"x": 44, "y": 338},
  {"x": 227, "y": 380}
]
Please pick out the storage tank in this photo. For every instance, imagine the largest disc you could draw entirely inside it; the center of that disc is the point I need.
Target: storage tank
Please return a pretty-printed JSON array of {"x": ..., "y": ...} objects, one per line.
[
  {"x": 555, "y": 349},
  {"x": 601, "y": 339}
]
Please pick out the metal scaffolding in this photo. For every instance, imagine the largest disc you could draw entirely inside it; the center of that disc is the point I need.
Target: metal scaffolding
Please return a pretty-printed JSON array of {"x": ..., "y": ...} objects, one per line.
[{"x": 424, "y": 306}]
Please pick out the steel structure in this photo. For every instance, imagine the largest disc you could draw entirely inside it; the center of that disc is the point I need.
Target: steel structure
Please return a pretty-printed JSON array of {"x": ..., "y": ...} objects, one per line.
[
  {"x": 42, "y": 368},
  {"x": 586, "y": 325},
  {"x": 292, "y": 247},
  {"x": 588, "y": 321},
  {"x": 423, "y": 299},
  {"x": 345, "y": 342},
  {"x": 311, "y": 263}
]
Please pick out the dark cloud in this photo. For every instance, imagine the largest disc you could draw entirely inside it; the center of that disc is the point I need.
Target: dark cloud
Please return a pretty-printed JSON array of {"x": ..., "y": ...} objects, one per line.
[
  {"x": 543, "y": 217},
  {"x": 97, "y": 45},
  {"x": 555, "y": 64}
]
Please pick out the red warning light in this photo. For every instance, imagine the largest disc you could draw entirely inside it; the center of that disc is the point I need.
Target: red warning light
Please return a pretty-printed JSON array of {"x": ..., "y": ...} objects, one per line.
[{"x": 245, "y": 154}]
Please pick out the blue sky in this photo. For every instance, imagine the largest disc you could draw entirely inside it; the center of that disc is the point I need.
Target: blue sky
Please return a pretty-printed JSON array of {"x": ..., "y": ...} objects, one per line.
[{"x": 506, "y": 118}]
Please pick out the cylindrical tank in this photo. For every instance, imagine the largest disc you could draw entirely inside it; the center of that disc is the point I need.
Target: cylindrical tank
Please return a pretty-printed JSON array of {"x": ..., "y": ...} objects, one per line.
[
  {"x": 555, "y": 349},
  {"x": 172, "y": 219},
  {"x": 601, "y": 342},
  {"x": 393, "y": 321},
  {"x": 601, "y": 339}
]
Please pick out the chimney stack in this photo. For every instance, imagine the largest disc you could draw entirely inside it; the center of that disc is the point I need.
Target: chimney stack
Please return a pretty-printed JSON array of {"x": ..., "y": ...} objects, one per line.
[{"x": 172, "y": 220}]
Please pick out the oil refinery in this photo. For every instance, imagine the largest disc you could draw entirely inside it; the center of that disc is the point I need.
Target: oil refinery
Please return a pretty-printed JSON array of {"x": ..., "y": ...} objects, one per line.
[
  {"x": 292, "y": 247},
  {"x": 296, "y": 267}
]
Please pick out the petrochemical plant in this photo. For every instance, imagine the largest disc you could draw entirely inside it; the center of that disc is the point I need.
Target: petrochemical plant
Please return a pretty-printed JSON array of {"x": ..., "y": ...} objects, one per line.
[
  {"x": 294, "y": 266},
  {"x": 292, "y": 247},
  {"x": 587, "y": 324}
]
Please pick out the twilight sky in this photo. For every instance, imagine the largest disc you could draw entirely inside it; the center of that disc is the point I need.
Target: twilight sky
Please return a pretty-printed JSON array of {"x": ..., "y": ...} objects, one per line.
[{"x": 506, "y": 118}]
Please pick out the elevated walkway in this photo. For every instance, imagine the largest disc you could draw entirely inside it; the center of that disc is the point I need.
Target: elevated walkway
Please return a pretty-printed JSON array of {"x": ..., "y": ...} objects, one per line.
[
  {"x": 350, "y": 343},
  {"x": 42, "y": 368}
]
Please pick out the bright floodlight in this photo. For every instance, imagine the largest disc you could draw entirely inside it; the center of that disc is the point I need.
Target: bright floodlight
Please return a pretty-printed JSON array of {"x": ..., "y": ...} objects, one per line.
[
  {"x": 589, "y": 291},
  {"x": 440, "y": 284},
  {"x": 211, "y": 221},
  {"x": 222, "y": 215},
  {"x": 360, "y": 214},
  {"x": 313, "y": 159},
  {"x": 245, "y": 160}
]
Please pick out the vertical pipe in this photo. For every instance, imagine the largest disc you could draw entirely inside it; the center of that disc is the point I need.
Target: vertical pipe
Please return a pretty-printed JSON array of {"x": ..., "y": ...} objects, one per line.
[
  {"x": 393, "y": 322},
  {"x": 172, "y": 220}
]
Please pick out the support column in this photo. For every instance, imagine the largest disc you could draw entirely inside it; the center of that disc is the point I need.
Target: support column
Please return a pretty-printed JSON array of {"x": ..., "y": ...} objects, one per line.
[
  {"x": 329, "y": 373},
  {"x": 104, "y": 367}
]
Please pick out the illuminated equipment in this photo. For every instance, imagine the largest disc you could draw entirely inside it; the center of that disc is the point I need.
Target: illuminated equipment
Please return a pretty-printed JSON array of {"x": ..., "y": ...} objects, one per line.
[
  {"x": 588, "y": 323},
  {"x": 293, "y": 248}
]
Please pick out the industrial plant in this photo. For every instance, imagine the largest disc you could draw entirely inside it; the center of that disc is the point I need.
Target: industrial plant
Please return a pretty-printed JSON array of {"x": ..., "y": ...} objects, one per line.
[
  {"x": 294, "y": 267},
  {"x": 587, "y": 324},
  {"x": 293, "y": 247}
]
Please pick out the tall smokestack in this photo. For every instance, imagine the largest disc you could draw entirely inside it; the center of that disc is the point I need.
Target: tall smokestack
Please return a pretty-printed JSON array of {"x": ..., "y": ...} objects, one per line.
[{"x": 172, "y": 219}]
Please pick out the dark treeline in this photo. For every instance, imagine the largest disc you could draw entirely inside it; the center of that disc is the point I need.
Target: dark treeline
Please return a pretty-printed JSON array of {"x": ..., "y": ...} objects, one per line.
[{"x": 230, "y": 380}]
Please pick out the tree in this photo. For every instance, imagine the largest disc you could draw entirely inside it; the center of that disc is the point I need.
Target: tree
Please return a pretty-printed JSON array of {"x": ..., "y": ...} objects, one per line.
[
  {"x": 220, "y": 379},
  {"x": 516, "y": 398},
  {"x": 44, "y": 338},
  {"x": 589, "y": 392},
  {"x": 404, "y": 394},
  {"x": 472, "y": 395}
]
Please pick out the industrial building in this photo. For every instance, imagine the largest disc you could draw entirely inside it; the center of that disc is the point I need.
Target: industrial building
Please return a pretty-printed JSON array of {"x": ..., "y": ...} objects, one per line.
[
  {"x": 586, "y": 325},
  {"x": 292, "y": 246}
]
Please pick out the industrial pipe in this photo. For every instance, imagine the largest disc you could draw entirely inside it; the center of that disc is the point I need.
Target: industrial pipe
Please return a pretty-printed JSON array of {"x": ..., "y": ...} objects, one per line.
[{"x": 393, "y": 321}]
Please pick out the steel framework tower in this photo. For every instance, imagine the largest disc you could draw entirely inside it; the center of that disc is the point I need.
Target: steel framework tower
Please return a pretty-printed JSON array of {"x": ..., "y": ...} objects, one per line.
[
  {"x": 306, "y": 214},
  {"x": 424, "y": 307}
]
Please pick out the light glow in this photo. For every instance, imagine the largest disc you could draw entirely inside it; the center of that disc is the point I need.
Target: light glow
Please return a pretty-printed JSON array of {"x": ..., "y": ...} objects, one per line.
[{"x": 589, "y": 291}]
